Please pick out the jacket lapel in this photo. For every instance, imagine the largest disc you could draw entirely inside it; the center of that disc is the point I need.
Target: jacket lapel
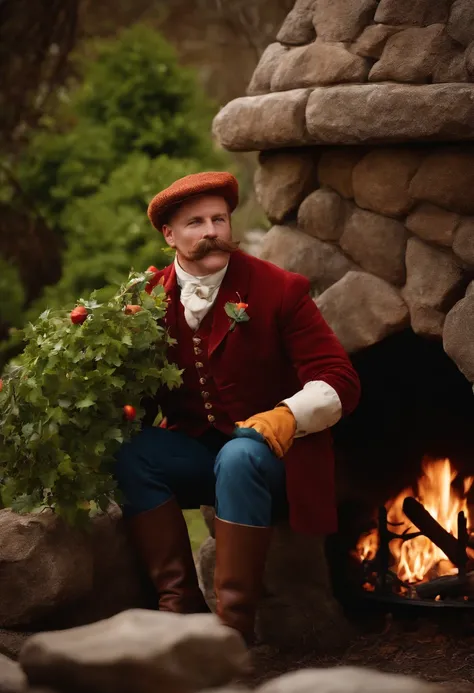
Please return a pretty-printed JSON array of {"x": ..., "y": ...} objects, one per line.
[
  {"x": 170, "y": 285},
  {"x": 234, "y": 288}
]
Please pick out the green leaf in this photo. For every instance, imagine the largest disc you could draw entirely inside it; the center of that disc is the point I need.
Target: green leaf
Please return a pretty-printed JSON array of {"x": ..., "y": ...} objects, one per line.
[{"x": 85, "y": 403}]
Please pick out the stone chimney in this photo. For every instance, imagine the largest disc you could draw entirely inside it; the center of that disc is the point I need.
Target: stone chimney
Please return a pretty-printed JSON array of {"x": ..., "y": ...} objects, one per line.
[{"x": 362, "y": 112}]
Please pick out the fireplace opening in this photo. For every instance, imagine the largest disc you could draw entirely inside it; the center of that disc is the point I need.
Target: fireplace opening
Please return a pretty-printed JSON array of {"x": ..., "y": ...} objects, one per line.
[{"x": 405, "y": 466}]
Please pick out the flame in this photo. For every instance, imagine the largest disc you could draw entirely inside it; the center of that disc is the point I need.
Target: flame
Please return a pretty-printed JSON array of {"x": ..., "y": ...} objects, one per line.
[{"x": 419, "y": 559}]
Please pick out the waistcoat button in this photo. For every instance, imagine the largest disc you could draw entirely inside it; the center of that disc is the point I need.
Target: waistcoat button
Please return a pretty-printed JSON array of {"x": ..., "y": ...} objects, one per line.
[
  {"x": 196, "y": 340},
  {"x": 205, "y": 395},
  {"x": 199, "y": 364},
  {"x": 208, "y": 405},
  {"x": 197, "y": 351},
  {"x": 202, "y": 381},
  {"x": 211, "y": 418}
]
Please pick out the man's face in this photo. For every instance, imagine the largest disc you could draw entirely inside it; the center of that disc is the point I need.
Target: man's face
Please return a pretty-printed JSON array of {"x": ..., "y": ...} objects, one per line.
[{"x": 201, "y": 232}]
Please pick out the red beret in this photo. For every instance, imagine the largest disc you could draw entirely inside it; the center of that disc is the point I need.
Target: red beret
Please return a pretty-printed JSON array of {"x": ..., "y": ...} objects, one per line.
[{"x": 223, "y": 184}]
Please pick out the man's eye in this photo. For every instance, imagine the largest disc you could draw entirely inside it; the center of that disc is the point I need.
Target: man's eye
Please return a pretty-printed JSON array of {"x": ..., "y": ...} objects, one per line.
[{"x": 219, "y": 219}]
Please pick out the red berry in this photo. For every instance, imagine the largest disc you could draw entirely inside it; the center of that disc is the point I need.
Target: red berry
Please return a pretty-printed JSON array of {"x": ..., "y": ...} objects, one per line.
[
  {"x": 154, "y": 280},
  {"x": 78, "y": 315},
  {"x": 129, "y": 412},
  {"x": 131, "y": 309},
  {"x": 1, "y": 385},
  {"x": 242, "y": 306}
]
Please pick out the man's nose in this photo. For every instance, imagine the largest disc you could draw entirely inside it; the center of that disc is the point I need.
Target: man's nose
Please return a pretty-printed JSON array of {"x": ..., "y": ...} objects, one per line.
[{"x": 209, "y": 230}]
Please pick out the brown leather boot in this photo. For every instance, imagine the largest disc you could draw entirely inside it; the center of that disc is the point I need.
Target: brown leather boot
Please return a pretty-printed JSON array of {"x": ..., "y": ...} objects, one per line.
[
  {"x": 162, "y": 539},
  {"x": 241, "y": 552}
]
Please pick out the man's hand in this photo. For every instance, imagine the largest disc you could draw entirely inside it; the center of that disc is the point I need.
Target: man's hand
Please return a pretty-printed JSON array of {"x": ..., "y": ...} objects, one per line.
[{"x": 277, "y": 427}]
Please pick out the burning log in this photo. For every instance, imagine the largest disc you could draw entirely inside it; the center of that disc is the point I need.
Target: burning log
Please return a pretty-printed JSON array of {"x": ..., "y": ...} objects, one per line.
[
  {"x": 428, "y": 526},
  {"x": 447, "y": 586}
]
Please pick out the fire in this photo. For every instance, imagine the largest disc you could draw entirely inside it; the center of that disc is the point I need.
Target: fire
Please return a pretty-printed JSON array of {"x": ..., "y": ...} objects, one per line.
[{"x": 420, "y": 559}]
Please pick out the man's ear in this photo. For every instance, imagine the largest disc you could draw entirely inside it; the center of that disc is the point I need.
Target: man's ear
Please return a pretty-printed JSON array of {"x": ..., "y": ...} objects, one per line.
[{"x": 168, "y": 235}]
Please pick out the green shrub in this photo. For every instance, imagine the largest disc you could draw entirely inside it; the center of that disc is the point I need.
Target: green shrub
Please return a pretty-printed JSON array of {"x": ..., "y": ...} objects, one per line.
[{"x": 62, "y": 399}]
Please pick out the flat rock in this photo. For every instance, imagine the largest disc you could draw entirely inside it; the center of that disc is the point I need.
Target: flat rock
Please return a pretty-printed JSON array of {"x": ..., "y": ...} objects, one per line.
[
  {"x": 434, "y": 283},
  {"x": 29, "y": 546},
  {"x": 418, "y": 12},
  {"x": 377, "y": 244},
  {"x": 362, "y": 310},
  {"x": 412, "y": 55},
  {"x": 432, "y": 223},
  {"x": 318, "y": 63},
  {"x": 12, "y": 678},
  {"x": 458, "y": 335},
  {"x": 322, "y": 263},
  {"x": 336, "y": 167},
  {"x": 298, "y": 29},
  {"x": 384, "y": 113},
  {"x": 262, "y": 122},
  {"x": 283, "y": 179},
  {"x": 381, "y": 180},
  {"x": 262, "y": 76},
  {"x": 463, "y": 244},
  {"x": 344, "y": 20},
  {"x": 461, "y": 22},
  {"x": 446, "y": 178},
  {"x": 138, "y": 650},
  {"x": 346, "y": 680},
  {"x": 372, "y": 40},
  {"x": 322, "y": 214}
]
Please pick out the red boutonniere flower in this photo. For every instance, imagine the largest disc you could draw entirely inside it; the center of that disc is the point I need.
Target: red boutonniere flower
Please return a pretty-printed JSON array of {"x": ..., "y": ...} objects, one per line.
[{"x": 236, "y": 312}]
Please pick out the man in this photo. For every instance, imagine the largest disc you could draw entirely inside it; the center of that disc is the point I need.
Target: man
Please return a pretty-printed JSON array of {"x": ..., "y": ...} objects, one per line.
[{"x": 248, "y": 431}]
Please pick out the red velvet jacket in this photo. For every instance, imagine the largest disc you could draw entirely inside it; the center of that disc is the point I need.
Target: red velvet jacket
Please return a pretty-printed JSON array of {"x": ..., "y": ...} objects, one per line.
[{"x": 285, "y": 344}]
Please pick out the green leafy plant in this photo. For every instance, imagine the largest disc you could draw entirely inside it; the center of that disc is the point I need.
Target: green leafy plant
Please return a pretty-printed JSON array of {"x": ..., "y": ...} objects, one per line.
[{"x": 75, "y": 395}]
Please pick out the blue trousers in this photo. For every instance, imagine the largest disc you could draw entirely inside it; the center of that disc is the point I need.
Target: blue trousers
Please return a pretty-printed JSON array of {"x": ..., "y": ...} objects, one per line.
[{"x": 241, "y": 477}]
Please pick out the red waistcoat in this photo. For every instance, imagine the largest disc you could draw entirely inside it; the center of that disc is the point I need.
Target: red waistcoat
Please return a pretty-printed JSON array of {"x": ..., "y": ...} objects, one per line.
[
  {"x": 285, "y": 344},
  {"x": 196, "y": 406}
]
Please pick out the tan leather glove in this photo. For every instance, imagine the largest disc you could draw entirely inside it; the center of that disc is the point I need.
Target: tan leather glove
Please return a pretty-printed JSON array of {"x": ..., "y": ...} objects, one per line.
[{"x": 277, "y": 426}]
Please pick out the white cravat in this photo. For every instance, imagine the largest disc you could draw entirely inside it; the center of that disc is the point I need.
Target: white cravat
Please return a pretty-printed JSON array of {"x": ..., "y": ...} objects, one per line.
[{"x": 198, "y": 293}]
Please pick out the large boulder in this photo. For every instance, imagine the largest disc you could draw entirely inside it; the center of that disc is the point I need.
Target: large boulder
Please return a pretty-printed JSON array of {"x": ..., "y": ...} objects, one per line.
[
  {"x": 381, "y": 180},
  {"x": 283, "y": 179},
  {"x": 322, "y": 263},
  {"x": 12, "y": 678},
  {"x": 96, "y": 572},
  {"x": 463, "y": 244},
  {"x": 458, "y": 335},
  {"x": 433, "y": 223},
  {"x": 344, "y": 20},
  {"x": 346, "y": 680},
  {"x": 387, "y": 113},
  {"x": 30, "y": 545},
  {"x": 298, "y": 29},
  {"x": 322, "y": 214},
  {"x": 377, "y": 243},
  {"x": 413, "y": 55},
  {"x": 418, "y": 12},
  {"x": 262, "y": 77},
  {"x": 435, "y": 281},
  {"x": 336, "y": 167},
  {"x": 318, "y": 63},
  {"x": 362, "y": 310},
  {"x": 252, "y": 122},
  {"x": 446, "y": 178},
  {"x": 138, "y": 650}
]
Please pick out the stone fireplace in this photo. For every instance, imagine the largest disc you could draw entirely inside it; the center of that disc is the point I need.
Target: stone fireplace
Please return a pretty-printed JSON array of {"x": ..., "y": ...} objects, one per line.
[{"x": 362, "y": 114}]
